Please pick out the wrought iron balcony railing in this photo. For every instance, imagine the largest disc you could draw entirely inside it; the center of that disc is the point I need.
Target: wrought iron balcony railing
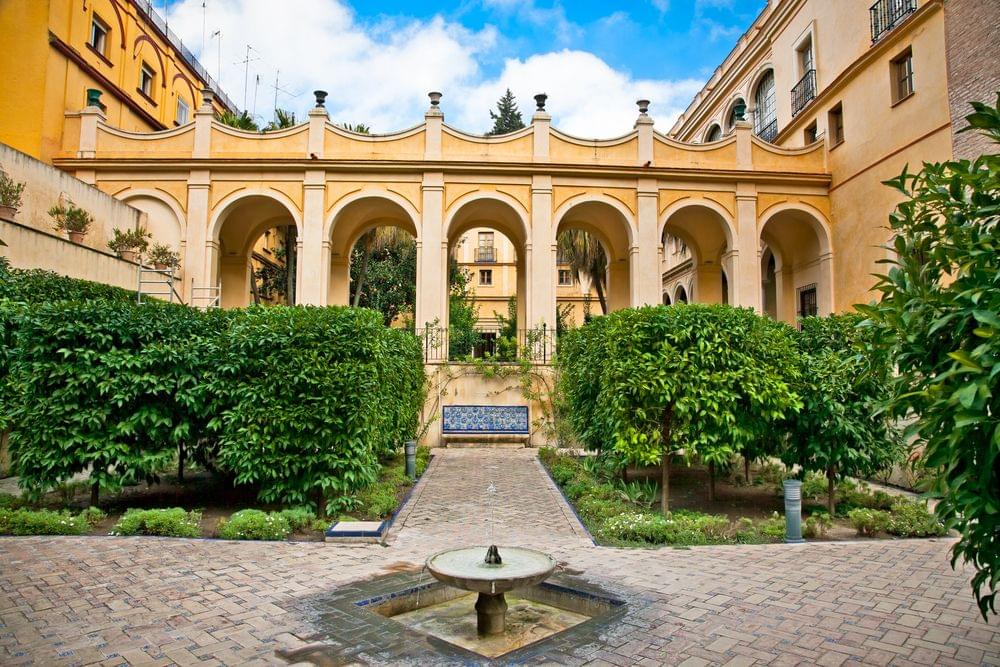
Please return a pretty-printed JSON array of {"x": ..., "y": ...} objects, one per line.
[
  {"x": 486, "y": 254},
  {"x": 887, "y": 14},
  {"x": 488, "y": 342},
  {"x": 804, "y": 92},
  {"x": 769, "y": 131}
]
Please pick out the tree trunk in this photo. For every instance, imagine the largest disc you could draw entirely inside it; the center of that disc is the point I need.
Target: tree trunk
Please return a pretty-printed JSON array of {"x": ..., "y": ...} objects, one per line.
[
  {"x": 746, "y": 470},
  {"x": 320, "y": 504},
  {"x": 95, "y": 494},
  {"x": 180, "y": 463},
  {"x": 625, "y": 473},
  {"x": 362, "y": 272},
  {"x": 831, "y": 501},
  {"x": 711, "y": 481},
  {"x": 600, "y": 295},
  {"x": 291, "y": 260}
]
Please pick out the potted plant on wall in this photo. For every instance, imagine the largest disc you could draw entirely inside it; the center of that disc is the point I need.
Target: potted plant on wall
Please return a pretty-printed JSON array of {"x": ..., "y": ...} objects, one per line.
[
  {"x": 163, "y": 257},
  {"x": 10, "y": 196},
  {"x": 72, "y": 220},
  {"x": 129, "y": 243}
]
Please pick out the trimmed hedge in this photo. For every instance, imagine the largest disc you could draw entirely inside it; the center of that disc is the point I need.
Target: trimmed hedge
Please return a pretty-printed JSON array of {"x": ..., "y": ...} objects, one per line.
[{"x": 301, "y": 401}]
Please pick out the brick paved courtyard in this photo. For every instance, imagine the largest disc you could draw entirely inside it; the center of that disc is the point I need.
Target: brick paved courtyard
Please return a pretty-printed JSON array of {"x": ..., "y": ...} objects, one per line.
[{"x": 157, "y": 601}]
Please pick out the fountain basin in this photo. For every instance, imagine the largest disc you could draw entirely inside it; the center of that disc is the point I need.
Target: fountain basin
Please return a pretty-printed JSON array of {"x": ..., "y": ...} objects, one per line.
[
  {"x": 482, "y": 570},
  {"x": 467, "y": 569}
]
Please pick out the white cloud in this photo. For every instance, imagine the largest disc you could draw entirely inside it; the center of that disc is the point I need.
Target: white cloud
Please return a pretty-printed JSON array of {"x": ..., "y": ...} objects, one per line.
[
  {"x": 661, "y": 5},
  {"x": 379, "y": 74}
]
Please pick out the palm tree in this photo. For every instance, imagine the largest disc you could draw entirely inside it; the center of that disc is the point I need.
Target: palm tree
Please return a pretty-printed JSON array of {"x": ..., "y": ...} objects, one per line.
[
  {"x": 282, "y": 119},
  {"x": 243, "y": 121},
  {"x": 587, "y": 258},
  {"x": 358, "y": 128}
]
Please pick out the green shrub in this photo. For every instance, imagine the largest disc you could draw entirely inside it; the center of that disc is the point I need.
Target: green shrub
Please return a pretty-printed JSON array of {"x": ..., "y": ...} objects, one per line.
[
  {"x": 174, "y": 522},
  {"x": 868, "y": 522},
  {"x": 298, "y": 518},
  {"x": 255, "y": 525},
  {"x": 93, "y": 515},
  {"x": 423, "y": 460},
  {"x": 378, "y": 500},
  {"x": 42, "y": 522},
  {"x": 763, "y": 531},
  {"x": 564, "y": 469},
  {"x": 596, "y": 509},
  {"x": 911, "y": 519},
  {"x": 817, "y": 525},
  {"x": 312, "y": 398},
  {"x": 679, "y": 528},
  {"x": 10, "y": 501},
  {"x": 814, "y": 486}
]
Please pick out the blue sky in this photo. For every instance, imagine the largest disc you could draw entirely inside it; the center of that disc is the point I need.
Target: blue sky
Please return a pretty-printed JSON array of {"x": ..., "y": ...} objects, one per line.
[{"x": 379, "y": 59}]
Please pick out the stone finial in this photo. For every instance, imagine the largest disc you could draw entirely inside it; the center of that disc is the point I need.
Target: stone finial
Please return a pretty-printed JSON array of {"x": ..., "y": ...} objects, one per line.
[
  {"x": 207, "y": 97},
  {"x": 740, "y": 110},
  {"x": 540, "y": 99},
  {"x": 435, "y": 99},
  {"x": 94, "y": 98},
  {"x": 320, "y": 98},
  {"x": 643, "y": 106}
]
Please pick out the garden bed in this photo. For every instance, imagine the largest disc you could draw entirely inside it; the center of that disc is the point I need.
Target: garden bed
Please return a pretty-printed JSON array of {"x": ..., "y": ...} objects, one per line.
[
  {"x": 203, "y": 505},
  {"x": 626, "y": 513}
]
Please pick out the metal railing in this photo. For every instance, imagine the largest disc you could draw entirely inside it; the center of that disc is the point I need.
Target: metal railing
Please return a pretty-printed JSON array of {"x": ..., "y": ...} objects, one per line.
[
  {"x": 887, "y": 14},
  {"x": 146, "y": 8},
  {"x": 486, "y": 254},
  {"x": 206, "y": 297},
  {"x": 804, "y": 92},
  {"x": 494, "y": 343},
  {"x": 769, "y": 131},
  {"x": 156, "y": 283}
]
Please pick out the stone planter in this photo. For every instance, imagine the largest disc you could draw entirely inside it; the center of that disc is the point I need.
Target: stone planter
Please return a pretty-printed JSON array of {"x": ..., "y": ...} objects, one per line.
[
  {"x": 127, "y": 255},
  {"x": 7, "y": 213},
  {"x": 76, "y": 237},
  {"x": 159, "y": 266}
]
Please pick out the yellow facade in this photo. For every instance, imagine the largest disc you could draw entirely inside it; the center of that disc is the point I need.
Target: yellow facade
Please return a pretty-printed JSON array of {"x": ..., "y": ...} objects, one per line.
[
  {"x": 56, "y": 50},
  {"x": 869, "y": 83}
]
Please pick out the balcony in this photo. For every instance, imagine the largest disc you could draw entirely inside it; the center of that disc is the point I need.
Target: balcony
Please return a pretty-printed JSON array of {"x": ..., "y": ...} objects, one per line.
[
  {"x": 887, "y": 14},
  {"x": 486, "y": 254},
  {"x": 804, "y": 92},
  {"x": 769, "y": 131}
]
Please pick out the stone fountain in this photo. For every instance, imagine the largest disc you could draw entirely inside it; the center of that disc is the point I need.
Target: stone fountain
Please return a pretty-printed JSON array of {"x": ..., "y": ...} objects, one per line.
[{"x": 486, "y": 571}]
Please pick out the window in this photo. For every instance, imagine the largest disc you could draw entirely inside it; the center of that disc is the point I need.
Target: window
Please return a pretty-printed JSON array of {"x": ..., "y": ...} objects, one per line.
[
  {"x": 146, "y": 77},
  {"x": 565, "y": 277},
  {"x": 98, "y": 35},
  {"x": 901, "y": 69},
  {"x": 805, "y": 56},
  {"x": 835, "y": 125},
  {"x": 485, "y": 252},
  {"x": 731, "y": 120},
  {"x": 486, "y": 276},
  {"x": 714, "y": 133},
  {"x": 182, "y": 111},
  {"x": 765, "y": 118},
  {"x": 811, "y": 133},
  {"x": 808, "y": 306}
]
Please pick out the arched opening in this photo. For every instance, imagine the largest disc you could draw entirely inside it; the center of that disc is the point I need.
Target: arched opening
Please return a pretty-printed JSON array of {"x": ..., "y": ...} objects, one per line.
[
  {"x": 704, "y": 236},
  {"x": 680, "y": 296},
  {"x": 797, "y": 246},
  {"x": 765, "y": 111},
  {"x": 714, "y": 133},
  {"x": 594, "y": 238},
  {"x": 731, "y": 115},
  {"x": 666, "y": 298},
  {"x": 487, "y": 280},
  {"x": 373, "y": 258},
  {"x": 256, "y": 243}
]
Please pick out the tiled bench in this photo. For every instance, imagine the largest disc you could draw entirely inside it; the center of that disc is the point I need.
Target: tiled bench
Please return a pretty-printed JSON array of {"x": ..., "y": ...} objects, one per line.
[{"x": 485, "y": 424}]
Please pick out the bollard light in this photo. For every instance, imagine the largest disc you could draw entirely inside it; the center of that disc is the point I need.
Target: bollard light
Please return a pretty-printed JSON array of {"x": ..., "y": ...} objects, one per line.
[
  {"x": 411, "y": 458},
  {"x": 793, "y": 511}
]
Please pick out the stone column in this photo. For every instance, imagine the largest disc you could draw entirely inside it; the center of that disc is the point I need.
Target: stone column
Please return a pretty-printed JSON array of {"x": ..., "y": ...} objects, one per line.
[
  {"x": 541, "y": 296},
  {"x": 317, "y": 127},
  {"x": 310, "y": 288},
  {"x": 825, "y": 299},
  {"x": 645, "y": 258},
  {"x": 200, "y": 257},
  {"x": 745, "y": 285},
  {"x": 540, "y": 124},
  {"x": 89, "y": 118},
  {"x": 432, "y": 265},
  {"x": 433, "y": 121}
]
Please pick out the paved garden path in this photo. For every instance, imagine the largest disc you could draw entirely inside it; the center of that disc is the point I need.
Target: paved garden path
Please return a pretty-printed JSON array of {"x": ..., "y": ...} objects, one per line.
[{"x": 151, "y": 601}]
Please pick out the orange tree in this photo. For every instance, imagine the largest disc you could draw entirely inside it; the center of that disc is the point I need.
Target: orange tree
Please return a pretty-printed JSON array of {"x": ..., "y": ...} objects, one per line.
[
  {"x": 697, "y": 378},
  {"x": 940, "y": 315}
]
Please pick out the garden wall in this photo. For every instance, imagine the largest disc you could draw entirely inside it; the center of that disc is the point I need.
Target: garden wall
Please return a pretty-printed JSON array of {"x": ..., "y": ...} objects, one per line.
[
  {"x": 31, "y": 242},
  {"x": 466, "y": 384}
]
